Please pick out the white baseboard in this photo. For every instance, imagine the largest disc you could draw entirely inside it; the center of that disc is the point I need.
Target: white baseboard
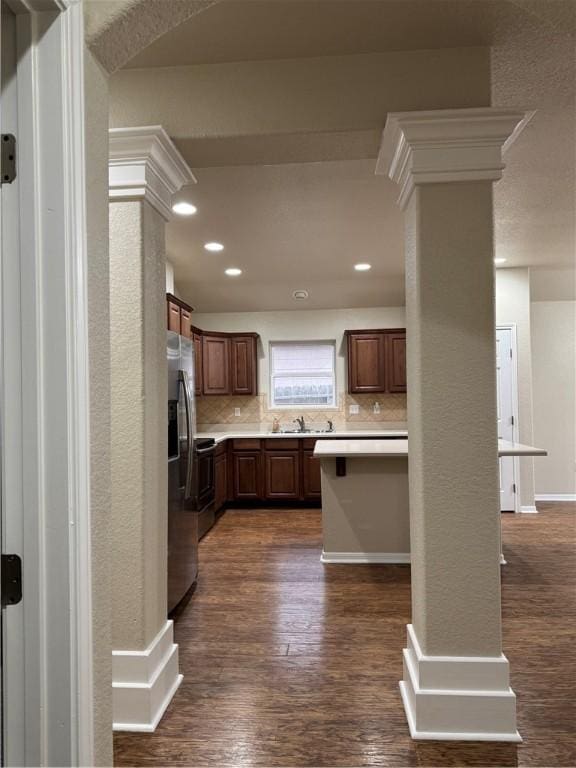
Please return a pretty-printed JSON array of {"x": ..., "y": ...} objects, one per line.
[
  {"x": 366, "y": 558},
  {"x": 457, "y": 698},
  {"x": 144, "y": 682},
  {"x": 529, "y": 510},
  {"x": 555, "y": 497}
]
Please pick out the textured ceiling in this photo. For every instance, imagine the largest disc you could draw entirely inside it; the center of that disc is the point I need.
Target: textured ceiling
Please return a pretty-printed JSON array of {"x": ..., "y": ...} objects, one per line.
[
  {"x": 290, "y": 227},
  {"x": 304, "y": 224}
]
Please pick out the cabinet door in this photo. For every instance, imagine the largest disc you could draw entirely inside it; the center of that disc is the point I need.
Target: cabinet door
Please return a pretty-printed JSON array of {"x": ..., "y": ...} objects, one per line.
[
  {"x": 243, "y": 361},
  {"x": 246, "y": 475},
  {"x": 311, "y": 476},
  {"x": 185, "y": 318},
  {"x": 366, "y": 362},
  {"x": 396, "y": 361},
  {"x": 215, "y": 365},
  {"x": 221, "y": 481},
  {"x": 197, "y": 363},
  {"x": 282, "y": 474},
  {"x": 173, "y": 316}
]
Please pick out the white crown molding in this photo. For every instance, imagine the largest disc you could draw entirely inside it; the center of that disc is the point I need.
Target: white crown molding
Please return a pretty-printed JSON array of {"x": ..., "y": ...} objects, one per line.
[
  {"x": 144, "y": 682},
  {"x": 145, "y": 164},
  {"x": 457, "y": 698},
  {"x": 365, "y": 558},
  {"x": 447, "y": 145}
]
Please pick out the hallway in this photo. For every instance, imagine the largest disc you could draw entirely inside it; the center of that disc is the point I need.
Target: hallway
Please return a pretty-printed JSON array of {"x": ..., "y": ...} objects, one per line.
[{"x": 287, "y": 662}]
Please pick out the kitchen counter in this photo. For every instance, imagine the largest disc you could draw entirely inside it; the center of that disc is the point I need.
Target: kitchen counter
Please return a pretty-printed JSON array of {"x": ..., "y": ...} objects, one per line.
[
  {"x": 221, "y": 436},
  {"x": 365, "y": 499},
  {"x": 350, "y": 448}
]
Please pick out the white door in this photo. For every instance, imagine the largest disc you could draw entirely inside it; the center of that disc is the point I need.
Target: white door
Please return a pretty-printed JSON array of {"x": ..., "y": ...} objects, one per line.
[{"x": 506, "y": 426}]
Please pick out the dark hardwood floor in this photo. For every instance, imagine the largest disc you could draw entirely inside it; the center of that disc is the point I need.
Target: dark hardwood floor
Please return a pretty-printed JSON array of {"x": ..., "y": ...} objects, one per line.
[{"x": 290, "y": 663}]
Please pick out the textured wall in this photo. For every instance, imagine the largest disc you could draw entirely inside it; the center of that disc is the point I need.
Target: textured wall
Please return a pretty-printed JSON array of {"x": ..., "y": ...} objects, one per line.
[
  {"x": 513, "y": 307},
  {"x": 554, "y": 377},
  {"x": 99, "y": 361},
  {"x": 453, "y": 464},
  {"x": 139, "y": 483}
]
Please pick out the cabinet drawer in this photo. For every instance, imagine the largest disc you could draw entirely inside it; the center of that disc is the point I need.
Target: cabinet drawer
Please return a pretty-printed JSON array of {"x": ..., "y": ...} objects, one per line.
[
  {"x": 246, "y": 444},
  {"x": 309, "y": 443},
  {"x": 282, "y": 444},
  {"x": 220, "y": 449}
]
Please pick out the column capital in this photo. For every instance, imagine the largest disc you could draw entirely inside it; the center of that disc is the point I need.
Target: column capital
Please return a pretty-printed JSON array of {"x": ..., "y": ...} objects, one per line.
[
  {"x": 144, "y": 164},
  {"x": 447, "y": 145}
]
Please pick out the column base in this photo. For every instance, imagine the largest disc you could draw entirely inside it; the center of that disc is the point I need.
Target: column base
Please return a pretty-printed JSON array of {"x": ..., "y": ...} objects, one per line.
[
  {"x": 144, "y": 682},
  {"x": 457, "y": 698}
]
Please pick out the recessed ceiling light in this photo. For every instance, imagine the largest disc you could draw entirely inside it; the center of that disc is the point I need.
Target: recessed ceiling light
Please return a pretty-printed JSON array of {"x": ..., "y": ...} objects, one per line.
[
  {"x": 362, "y": 267},
  {"x": 300, "y": 294},
  {"x": 233, "y": 271},
  {"x": 184, "y": 209},
  {"x": 499, "y": 260},
  {"x": 214, "y": 247}
]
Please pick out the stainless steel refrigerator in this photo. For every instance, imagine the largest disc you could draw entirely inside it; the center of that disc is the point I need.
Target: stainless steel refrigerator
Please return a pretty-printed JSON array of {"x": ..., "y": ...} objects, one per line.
[{"x": 182, "y": 507}]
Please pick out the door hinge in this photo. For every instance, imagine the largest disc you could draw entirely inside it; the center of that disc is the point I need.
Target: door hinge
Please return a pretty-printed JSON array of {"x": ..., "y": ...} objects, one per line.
[
  {"x": 513, "y": 487},
  {"x": 8, "y": 158},
  {"x": 11, "y": 579},
  {"x": 512, "y": 420},
  {"x": 510, "y": 352}
]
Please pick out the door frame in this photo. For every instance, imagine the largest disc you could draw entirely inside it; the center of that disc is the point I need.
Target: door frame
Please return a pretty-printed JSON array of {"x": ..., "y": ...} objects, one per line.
[
  {"x": 516, "y": 459},
  {"x": 50, "y": 687}
]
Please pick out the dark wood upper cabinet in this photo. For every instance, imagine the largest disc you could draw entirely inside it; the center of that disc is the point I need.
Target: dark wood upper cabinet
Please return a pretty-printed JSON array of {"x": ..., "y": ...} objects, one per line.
[
  {"x": 396, "y": 361},
  {"x": 173, "y": 319},
  {"x": 197, "y": 339},
  {"x": 282, "y": 474},
  {"x": 244, "y": 365},
  {"x": 215, "y": 365},
  {"x": 376, "y": 361},
  {"x": 185, "y": 318},
  {"x": 366, "y": 362}
]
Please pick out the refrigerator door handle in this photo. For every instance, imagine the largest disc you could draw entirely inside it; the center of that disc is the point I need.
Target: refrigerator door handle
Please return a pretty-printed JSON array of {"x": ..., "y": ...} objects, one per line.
[{"x": 189, "y": 432}]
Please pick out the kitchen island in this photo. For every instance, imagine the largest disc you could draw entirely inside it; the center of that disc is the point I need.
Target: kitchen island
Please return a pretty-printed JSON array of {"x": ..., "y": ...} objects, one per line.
[{"x": 365, "y": 503}]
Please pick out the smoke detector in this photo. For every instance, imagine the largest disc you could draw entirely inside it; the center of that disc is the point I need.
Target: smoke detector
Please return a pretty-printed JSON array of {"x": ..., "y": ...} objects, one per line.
[{"x": 301, "y": 294}]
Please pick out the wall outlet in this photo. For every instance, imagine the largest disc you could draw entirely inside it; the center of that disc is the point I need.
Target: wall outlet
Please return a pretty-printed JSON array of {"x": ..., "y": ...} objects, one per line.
[
  {"x": 236, "y": 411},
  {"x": 354, "y": 409},
  {"x": 376, "y": 408}
]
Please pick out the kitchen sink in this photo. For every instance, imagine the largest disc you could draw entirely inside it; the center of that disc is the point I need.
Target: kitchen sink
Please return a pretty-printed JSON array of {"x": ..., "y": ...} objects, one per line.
[{"x": 303, "y": 432}]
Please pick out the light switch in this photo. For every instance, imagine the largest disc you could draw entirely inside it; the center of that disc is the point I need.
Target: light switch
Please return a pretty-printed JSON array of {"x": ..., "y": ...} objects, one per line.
[{"x": 354, "y": 409}]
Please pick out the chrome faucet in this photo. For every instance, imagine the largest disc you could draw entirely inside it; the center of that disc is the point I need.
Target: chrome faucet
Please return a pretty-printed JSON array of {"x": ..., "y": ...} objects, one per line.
[
  {"x": 301, "y": 424},
  {"x": 330, "y": 426}
]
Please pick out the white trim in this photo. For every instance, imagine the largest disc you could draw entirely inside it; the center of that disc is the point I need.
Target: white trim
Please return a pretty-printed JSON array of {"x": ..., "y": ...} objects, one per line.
[
  {"x": 512, "y": 327},
  {"x": 56, "y": 609},
  {"x": 529, "y": 510},
  {"x": 457, "y": 698},
  {"x": 447, "y": 145},
  {"x": 145, "y": 164},
  {"x": 78, "y": 406},
  {"x": 365, "y": 558},
  {"x": 144, "y": 682},
  {"x": 555, "y": 497}
]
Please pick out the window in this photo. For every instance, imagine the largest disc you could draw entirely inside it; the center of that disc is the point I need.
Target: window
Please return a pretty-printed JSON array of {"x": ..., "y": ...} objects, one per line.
[{"x": 302, "y": 374}]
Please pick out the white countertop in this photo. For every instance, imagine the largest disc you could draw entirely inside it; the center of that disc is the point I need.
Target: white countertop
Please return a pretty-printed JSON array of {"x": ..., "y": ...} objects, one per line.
[
  {"x": 389, "y": 448},
  {"x": 219, "y": 437}
]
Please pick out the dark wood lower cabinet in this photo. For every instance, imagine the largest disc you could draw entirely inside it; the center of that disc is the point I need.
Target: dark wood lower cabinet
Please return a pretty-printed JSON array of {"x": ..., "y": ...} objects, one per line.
[
  {"x": 247, "y": 475},
  {"x": 282, "y": 475},
  {"x": 271, "y": 469},
  {"x": 221, "y": 480},
  {"x": 312, "y": 486}
]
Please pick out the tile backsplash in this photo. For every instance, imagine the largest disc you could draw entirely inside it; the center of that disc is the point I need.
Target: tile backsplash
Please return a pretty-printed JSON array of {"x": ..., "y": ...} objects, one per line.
[{"x": 219, "y": 409}]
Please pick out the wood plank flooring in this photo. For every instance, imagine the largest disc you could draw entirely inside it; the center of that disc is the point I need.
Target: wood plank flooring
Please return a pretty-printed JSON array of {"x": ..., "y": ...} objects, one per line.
[{"x": 290, "y": 663}]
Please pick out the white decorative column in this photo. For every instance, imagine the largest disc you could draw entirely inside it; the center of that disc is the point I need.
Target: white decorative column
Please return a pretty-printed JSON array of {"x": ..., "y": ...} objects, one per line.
[
  {"x": 455, "y": 682},
  {"x": 145, "y": 170}
]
